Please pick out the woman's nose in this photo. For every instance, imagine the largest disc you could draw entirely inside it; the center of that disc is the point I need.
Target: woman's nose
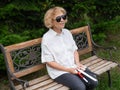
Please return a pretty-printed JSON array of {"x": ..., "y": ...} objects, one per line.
[{"x": 62, "y": 19}]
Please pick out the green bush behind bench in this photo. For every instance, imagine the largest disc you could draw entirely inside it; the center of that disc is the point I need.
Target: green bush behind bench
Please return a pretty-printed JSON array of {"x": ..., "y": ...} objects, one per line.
[{"x": 23, "y": 20}]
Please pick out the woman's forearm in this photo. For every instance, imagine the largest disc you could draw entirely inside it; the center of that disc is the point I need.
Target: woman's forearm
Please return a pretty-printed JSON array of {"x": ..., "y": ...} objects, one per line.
[
  {"x": 60, "y": 67},
  {"x": 55, "y": 65},
  {"x": 77, "y": 61},
  {"x": 76, "y": 57}
]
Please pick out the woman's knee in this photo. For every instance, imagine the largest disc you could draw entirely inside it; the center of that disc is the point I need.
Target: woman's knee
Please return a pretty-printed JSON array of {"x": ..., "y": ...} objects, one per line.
[
  {"x": 95, "y": 83},
  {"x": 79, "y": 87},
  {"x": 92, "y": 85}
]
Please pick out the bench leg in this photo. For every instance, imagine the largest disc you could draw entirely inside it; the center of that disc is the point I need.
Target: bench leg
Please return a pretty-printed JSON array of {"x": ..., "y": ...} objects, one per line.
[{"x": 109, "y": 78}]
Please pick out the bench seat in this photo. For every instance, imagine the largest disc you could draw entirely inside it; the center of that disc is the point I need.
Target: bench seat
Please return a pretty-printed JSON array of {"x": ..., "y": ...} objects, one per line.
[
  {"x": 43, "y": 83},
  {"x": 94, "y": 63}
]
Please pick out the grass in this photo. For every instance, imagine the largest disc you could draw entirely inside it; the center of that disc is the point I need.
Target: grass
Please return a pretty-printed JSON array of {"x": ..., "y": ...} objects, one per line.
[
  {"x": 103, "y": 81},
  {"x": 4, "y": 82},
  {"x": 113, "y": 40}
]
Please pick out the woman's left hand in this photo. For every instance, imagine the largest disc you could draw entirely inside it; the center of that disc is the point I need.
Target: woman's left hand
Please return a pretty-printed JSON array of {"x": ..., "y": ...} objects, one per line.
[{"x": 81, "y": 66}]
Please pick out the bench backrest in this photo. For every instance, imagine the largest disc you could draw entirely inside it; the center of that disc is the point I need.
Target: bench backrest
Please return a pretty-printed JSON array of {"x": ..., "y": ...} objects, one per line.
[
  {"x": 82, "y": 37},
  {"x": 25, "y": 58}
]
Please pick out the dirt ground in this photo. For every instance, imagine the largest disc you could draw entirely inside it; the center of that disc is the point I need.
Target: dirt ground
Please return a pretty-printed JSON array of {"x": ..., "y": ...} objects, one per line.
[{"x": 4, "y": 85}]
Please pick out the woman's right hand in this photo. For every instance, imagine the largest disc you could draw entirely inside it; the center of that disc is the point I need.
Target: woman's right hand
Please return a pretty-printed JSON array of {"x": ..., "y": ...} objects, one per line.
[{"x": 72, "y": 70}]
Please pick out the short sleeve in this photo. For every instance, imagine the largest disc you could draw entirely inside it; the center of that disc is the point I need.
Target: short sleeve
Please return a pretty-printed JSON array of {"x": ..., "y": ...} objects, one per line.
[
  {"x": 74, "y": 45},
  {"x": 46, "y": 55}
]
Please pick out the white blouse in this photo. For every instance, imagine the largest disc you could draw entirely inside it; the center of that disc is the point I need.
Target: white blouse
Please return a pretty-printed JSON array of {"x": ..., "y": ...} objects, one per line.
[{"x": 59, "y": 48}]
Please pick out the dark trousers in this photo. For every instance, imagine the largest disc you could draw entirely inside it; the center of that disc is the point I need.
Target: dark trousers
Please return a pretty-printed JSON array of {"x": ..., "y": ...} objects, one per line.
[{"x": 74, "y": 82}]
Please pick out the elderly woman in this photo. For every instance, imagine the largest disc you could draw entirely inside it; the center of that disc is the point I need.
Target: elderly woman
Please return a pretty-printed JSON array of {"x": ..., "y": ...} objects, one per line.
[{"x": 59, "y": 52}]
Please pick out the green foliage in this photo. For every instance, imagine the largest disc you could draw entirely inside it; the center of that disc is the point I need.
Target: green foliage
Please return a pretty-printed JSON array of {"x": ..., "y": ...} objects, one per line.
[
  {"x": 99, "y": 37},
  {"x": 13, "y": 38},
  {"x": 114, "y": 24},
  {"x": 22, "y": 20}
]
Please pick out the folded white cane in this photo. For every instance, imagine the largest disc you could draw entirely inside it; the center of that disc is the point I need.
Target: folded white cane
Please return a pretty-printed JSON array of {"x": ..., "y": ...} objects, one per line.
[
  {"x": 81, "y": 76},
  {"x": 84, "y": 73}
]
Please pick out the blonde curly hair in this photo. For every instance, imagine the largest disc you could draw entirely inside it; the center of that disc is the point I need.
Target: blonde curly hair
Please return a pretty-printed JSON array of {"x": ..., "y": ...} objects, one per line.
[{"x": 48, "y": 18}]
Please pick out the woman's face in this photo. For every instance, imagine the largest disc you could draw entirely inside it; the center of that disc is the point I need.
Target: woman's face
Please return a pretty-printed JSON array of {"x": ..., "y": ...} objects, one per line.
[{"x": 59, "y": 20}]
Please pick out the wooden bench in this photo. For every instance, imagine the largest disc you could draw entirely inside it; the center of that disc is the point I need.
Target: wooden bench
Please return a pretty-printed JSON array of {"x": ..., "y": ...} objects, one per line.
[{"x": 24, "y": 58}]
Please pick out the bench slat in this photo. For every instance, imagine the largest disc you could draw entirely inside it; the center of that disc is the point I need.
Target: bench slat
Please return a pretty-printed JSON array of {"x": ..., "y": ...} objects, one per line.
[
  {"x": 29, "y": 70},
  {"x": 40, "y": 79},
  {"x": 101, "y": 66},
  {"x": 48, "y": 86},
  {"x": 23, "y": 45},
  {"x": 55, "y": 87},
  {"x": 97, "y": 64},
  {"x": 79, "y": 30},
  {"x": 93, "y": 62},
  {"x": 63, "y": 88},
  {"x": 88, "y": 59},
  {"x": 100, "y": 71},
  {"x": 34, "y": 81},
  {"x": 38, "y": 85},
  {"x": 85, "y": 50}
]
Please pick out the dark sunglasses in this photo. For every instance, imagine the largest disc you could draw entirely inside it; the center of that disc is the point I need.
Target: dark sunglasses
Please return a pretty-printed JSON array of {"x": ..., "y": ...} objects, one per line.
[{"x": 58, "y": 19}]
